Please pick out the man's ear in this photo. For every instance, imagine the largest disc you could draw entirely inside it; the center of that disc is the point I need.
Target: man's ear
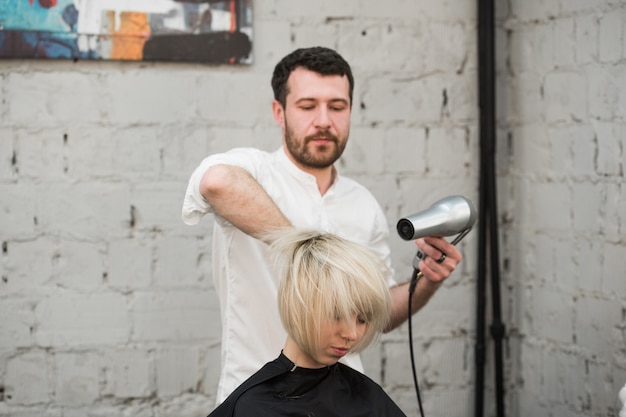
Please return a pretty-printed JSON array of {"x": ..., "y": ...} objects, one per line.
[{"x": 279, "y": 113}]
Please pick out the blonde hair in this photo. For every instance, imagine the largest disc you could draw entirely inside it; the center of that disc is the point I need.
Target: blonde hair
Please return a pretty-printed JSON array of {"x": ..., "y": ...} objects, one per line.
[{"x": 325, "y": 277}]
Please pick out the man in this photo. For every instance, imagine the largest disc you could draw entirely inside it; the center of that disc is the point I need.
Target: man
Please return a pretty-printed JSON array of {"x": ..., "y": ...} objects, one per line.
[{"x": 252, "y": 192}]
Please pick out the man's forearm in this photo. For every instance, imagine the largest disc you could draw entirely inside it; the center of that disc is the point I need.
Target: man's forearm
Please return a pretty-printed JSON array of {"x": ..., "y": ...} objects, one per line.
[
  {"x": 237, "y": 197},
  {"x": 424, "y": 290}
]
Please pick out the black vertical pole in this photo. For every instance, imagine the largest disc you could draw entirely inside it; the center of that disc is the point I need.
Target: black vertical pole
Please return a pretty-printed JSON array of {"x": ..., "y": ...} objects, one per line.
[
  {"x": 484, "y": 103},
  {"x": 488, "y": 218}
]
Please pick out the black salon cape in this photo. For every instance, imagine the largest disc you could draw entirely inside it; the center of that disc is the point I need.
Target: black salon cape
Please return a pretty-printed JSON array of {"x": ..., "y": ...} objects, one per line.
[{"x": 281, "y": 389}]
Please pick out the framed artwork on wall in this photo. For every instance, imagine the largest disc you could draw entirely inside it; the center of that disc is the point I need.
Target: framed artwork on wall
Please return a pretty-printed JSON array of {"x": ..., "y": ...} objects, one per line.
[{"x": 202, "y": 31}]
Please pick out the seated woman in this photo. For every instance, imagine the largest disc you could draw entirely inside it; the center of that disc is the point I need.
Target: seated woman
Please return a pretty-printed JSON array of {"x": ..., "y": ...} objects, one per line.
[{"x": 333, "y": 300}]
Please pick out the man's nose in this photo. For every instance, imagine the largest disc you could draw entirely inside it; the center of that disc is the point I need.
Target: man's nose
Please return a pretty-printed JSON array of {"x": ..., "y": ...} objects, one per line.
[{"x": 322, "y": 119}]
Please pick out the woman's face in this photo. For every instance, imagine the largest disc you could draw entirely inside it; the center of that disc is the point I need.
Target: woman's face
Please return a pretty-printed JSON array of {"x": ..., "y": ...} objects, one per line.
[{"x": 337, "y": 337}]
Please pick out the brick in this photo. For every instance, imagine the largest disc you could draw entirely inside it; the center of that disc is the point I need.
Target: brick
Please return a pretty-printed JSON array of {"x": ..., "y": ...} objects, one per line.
[
  {"x": 78, "y": 265},
  {"x": 566, "y": 104},
  {"x": 587, "y": 256},
  {"x": 28, "y": 379},
  {"x": 365, "y": 149},
  {"x": 585, "y": 148},
  {"x": 613, "y": 282},
  {"x": 224, "y": 139},
  {"x": 129, "y": 373},
  {"x": 442, "y": 45},
  {"x": 534, "y": 9},
  {"x": 130, "y": 264},
  {"x": 82, "y": 320},
  {"x": 552, "y": 312},
  {"x": 128, "y": 153},
  {"x": 610, "y": 32},
  {"x": 52, "y": 98},
  {"x": 526, "y": 103},
  {"x": 440, "y": 317},
  {"x": 7, "y": 151},
  {"x": 586, "y": 38},
  {"x": 567, "y": 271},
  {"x": 463, "y": 96},
  {"x": 532, "y": 150},
  {"x": 624, "y": 36},
  {"x": 225, "y": 106},
  {"x": 325, "y": 32},
  {"x": 40, "y": 155},
  {"x": 564, "y": 41},
  {"x": 531, "y": 357},
  {"x": 532, "y": 48},
  {"x": 542, "y": 252},
  {"x": 372, "y": 361},
  {"x": 604, "y": 91},
  {"x": 21, "y": 275},
  {"x": 405, "y": 399},
  {"x": 561, "y": 142},
  {"x": 398, "y": 371},
  {"x": 610, "y": 158},
  {"x": 77, "y": 378},
  {"x": 407, "y": 9},
  {"x": 177, "y": 263},
  {"x": 599, "y": 375},
  {"x": 571, "y": 384},
  {"x": 271, "y": 39},
  {"x": 131, "y": 96},
  {"x": 579, "y": 6},
  {"x": 177, "y": 371},
  {"x": 17, "y": 324},
  {"x": 28, "y": 411},
  {"x": 448, "y": 152},
  {"x": 157, "y": 205},
  {"x": 449, "y": 359},
  {"x": 179, "y": 157},
  {"x": 180, "y": 316},
  {"x": 212, "y": 368},
  {"x": 95, "y": 211},
  {"x": 407, "y": 98},
  {"x": 595, "y": 320},
  {"x": 187, "y": 404},
  {"x": 18, "y": 209},
  {"x": 404, "y": 150},
  {"x": 615, "y": 210},
  {"x": 289, "y": 9},
  {"x": 588, "y": 200},
  {"x": 545, "y": 198}
]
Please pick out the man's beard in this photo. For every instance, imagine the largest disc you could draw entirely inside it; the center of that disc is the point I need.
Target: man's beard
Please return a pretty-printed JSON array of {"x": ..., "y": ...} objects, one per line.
[{"x": 300, "y": 151}]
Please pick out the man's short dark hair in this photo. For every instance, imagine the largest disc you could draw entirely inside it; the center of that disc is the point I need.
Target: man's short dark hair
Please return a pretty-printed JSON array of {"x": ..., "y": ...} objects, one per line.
[{"x": 323, "y": 61}]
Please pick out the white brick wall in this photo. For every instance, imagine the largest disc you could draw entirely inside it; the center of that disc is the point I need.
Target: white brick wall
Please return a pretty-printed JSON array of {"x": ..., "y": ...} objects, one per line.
[
  {"x": 107, "y": 305},
  {"x": 565, "y": 87}
]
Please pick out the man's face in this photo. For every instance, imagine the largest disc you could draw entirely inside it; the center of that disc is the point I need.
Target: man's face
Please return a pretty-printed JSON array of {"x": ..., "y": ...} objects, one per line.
[{"x": 316, "y": 118}]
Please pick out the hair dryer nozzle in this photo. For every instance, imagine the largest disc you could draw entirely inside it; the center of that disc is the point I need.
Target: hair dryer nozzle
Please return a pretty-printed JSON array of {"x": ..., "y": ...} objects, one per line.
[{"x": 446, "y": 217}]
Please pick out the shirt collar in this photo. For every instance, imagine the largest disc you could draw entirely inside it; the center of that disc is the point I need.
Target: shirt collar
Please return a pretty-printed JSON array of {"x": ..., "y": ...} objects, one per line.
[{"x": 284, "y": 160}]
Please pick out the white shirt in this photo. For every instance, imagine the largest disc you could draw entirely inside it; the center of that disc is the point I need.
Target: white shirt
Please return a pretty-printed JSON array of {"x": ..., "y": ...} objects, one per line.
[{"x": 252, "y": 333}]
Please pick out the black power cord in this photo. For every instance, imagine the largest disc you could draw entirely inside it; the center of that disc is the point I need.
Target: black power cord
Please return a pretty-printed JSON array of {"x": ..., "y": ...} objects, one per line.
[
  {"x": 414, "y": 278},
  {"x": 417, "y": 274}
]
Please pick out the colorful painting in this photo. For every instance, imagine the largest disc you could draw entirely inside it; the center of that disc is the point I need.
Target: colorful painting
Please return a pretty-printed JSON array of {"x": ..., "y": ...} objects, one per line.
[{"x": 205, "y": 31}]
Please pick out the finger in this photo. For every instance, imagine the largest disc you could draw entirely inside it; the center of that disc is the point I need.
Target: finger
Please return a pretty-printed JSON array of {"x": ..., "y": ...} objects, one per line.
[
  {"x": 444, "y": 247},
  {"x": 432, "y": 250}
]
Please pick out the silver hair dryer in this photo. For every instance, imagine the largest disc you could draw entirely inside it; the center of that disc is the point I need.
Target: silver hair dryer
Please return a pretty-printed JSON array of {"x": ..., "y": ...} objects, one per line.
[{"x": 448, "y": 216}]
